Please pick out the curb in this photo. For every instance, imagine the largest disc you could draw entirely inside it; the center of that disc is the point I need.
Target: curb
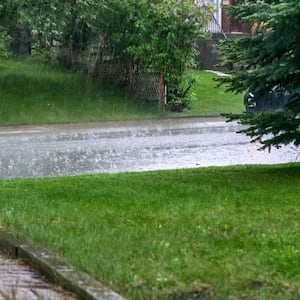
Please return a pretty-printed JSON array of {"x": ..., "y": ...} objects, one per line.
[
  {"x": 36, "y": 128},
  {"x": 55, "y": 270}
]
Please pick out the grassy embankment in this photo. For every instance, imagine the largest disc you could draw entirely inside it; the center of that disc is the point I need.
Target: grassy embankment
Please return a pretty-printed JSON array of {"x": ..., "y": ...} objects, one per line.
[
  {"x": 32, "y": 93},
  {"x": 213, "y": 233}
]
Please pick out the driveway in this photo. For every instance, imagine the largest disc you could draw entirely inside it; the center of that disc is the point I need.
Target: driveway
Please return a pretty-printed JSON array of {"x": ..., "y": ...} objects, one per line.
[{"x": 58, "y": 150}]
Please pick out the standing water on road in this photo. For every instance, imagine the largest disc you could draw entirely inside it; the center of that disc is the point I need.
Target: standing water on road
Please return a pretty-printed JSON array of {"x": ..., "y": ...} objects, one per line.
[{"x": 129, "y": 146}]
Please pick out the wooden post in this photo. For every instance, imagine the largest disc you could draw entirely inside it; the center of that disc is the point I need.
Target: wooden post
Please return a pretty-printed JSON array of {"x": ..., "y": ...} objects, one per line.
[{"x": 161, "y": 101}]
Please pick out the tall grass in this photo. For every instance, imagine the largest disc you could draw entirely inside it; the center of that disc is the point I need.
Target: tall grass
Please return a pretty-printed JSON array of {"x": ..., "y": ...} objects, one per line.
[
  {"x": 31, "y": 93},
  {"x": 213, "y": 233}
]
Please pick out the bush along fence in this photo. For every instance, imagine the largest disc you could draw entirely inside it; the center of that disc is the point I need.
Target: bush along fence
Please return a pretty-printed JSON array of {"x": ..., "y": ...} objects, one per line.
[
  {"x": 145, "y": 85},
  {"x": 148, "y": 40},
  {"x": 102, "y": 37},
  {"x": 149, "y": 86}
]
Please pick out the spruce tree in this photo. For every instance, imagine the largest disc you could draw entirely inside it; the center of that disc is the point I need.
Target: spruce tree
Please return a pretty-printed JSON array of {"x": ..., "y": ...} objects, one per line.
[{"x": 268, "y": 58}]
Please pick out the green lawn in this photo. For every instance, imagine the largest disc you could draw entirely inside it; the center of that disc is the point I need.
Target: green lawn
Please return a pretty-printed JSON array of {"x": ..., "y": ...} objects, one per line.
[
  {"x": 210, "y": 233},
  {"x": 32, "y": 94},
  {"x": 208, "y": 99}
]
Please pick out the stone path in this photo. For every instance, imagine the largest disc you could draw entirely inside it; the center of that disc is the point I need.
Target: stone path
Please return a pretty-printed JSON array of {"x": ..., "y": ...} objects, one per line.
[{"x": 19, "y": 282}]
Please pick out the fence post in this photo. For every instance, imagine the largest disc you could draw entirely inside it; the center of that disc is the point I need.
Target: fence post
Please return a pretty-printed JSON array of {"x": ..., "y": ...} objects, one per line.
[{"x": 161, "y": 100}]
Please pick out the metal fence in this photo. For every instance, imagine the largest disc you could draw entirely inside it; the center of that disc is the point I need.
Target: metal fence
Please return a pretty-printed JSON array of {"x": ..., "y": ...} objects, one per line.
[
  {"x": 144, "y": 85},
  {"x": 147, "y": 86}
]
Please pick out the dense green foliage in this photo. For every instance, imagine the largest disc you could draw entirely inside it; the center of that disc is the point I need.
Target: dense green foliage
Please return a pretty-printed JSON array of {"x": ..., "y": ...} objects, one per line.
[
  {"x": 269, "y": 58},
  {"x": 157, "y": 36},
  {"x": 174, "y": 27},
  {"x": 212, "y": 233}
]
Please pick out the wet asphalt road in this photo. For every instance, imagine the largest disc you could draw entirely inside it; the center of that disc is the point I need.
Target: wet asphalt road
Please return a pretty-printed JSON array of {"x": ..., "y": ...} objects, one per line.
[{"x": 58, "y": 150}]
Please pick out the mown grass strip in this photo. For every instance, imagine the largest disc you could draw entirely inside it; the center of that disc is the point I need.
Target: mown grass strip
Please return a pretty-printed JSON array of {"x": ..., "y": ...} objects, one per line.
[
  {"x": 207, "y": 98},
  {"x": 212, "y": 233}
]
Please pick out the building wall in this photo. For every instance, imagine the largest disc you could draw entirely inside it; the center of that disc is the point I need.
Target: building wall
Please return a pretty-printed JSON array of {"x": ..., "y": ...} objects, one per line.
[
  {"x": 217, "y": 15},
  {"x": 229, "y": 26}
]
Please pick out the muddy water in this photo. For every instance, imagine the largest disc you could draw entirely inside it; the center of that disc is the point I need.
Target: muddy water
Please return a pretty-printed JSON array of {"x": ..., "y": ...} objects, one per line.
[
  {"x": 20, "y": 282},
  {"x": 119, "y": 147}
]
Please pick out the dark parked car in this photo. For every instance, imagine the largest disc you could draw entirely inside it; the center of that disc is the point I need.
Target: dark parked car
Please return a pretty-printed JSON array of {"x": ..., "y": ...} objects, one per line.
[{"x": 274, "y": 100}]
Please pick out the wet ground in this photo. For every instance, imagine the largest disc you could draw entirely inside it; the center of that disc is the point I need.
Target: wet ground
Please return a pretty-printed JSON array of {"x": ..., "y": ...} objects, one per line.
[
  {"x": 39, "y": 151},
  {"x": 57, "y": 150},
  {"x": 20, "y": 282}
]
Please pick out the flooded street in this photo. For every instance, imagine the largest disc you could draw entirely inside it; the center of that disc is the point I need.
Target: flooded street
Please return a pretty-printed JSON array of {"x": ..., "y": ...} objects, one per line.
[{"x": 57, "y": 150}]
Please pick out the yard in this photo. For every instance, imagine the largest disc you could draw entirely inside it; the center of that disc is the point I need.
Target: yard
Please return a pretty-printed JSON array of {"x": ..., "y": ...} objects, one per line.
[
  {"x": 33, "y": 94},
  {"x": 211, "y": 233}
]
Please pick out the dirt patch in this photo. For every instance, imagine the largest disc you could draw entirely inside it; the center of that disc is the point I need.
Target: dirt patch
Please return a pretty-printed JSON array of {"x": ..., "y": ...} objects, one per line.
[{"x": 199, "y": 292}]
